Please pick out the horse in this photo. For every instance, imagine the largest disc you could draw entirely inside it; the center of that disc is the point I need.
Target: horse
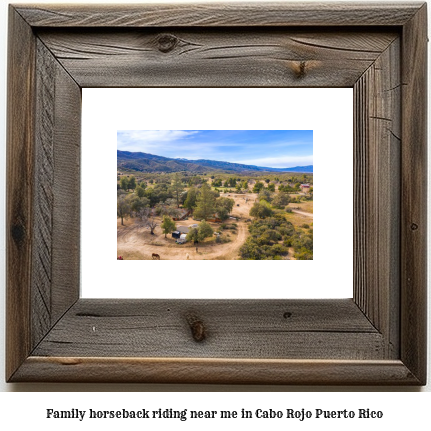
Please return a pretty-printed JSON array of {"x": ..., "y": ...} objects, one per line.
[{"x": 155, "y": 256}]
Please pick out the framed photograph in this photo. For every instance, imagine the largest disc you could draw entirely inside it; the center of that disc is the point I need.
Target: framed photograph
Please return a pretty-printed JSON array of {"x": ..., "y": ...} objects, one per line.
[
  {"x": 219, "y": 135},
  {"x": 181, "y": 58}
]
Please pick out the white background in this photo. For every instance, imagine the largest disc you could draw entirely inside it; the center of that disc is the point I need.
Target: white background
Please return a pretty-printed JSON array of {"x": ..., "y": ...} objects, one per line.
[
  {"x": 403, "y": 408},
  {"x": 328, "y": 112}
]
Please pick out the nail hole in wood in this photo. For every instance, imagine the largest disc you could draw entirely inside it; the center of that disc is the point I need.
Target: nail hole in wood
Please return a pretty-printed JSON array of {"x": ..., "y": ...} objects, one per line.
[
  {"x": 287, "y": 314},
  {"x": 414, "y": 226}
]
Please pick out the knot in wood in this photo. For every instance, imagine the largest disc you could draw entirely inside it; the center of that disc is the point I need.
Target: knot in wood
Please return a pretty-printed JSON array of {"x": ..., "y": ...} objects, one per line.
[
  {"x": 300, "y": 69},
  {"x": 18, "y": 233},
  {"x": 167, "y": 42},
  {"x": 197, "y": 328}
]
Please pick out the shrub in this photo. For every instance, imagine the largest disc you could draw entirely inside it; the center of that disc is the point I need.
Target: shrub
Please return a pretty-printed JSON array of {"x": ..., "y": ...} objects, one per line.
[
  {"x": 251, "y": 251},
  {"x": 279, "y": 249},
  {"x": 222, "y": 240},
  {"x": 303, "y": 254}
]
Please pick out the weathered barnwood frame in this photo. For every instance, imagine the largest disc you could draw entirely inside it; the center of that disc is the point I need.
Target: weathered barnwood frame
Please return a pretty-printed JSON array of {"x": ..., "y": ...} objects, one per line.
[{"x": 378, "y": 337}]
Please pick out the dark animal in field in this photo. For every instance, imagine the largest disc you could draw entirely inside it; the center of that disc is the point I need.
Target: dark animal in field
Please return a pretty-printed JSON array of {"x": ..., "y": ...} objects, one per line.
[{"x": 155, "y": 256}]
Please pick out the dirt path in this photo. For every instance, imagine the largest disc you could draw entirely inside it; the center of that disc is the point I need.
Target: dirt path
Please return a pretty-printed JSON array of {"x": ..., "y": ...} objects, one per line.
[
  {"x": 134, "y": 242},
  {"x": 303, "y": 213}
]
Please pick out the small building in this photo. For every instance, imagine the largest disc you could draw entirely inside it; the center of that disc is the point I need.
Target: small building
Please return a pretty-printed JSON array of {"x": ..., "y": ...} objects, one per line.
[
  {"x": 215, "y": 219},
  {"x": 305, "y": 188},
  {"x": 182, "y": 214},
  {"x": 181, "y": 230}
]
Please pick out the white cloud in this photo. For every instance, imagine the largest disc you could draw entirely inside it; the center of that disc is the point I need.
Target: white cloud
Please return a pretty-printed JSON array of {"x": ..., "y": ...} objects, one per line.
[
  {"x": 279, "y": 162},
  {"x": 142, "y": 140}
]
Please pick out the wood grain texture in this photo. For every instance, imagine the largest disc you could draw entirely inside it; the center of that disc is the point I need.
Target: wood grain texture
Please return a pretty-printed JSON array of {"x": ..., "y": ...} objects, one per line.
[
  {"x": 220, "y": 15},
  {"x": 414, "y": 195},
  {"x": 215, "y": 371},
  {"x": 234, "y": 329},
  {"x": 19, "y": 200},
  {"x": 55, "y": 277},
  {"x": 43, "y": 194},
  {"x": 66, "y": 189},
  {"x": 377, "y": 146},
  {"x": 52, "y": 336},
  {"x": 216, "y": 58}
]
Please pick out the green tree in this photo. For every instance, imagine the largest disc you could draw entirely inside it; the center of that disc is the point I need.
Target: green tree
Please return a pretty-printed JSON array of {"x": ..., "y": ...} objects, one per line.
[
  {"x": 193, "y": 235},
  {"x": 232, "y": 182},
  {"x": 177, "y": 188},
  {"x": 168, "y": 225},
  {"x": 205, "y": 203},
  {"x": 123, "y": 207},
  {"x": 258, "y": 187},
  {"x": 140, "y": 191},
  {"x": 226, "y": 203},
  {"x": 132, "y": 183},
  {"x": 137, "y": 203},
  {"x": 152, "y": 196},
  {"x": 222, "y": 213},
  {"x": 281, "y": 200},
  {"x": 195, "y": 180},
  {"x": 250, "y": 250},
  {"x": 261, "y": 209},
  {"x": 271, "y": 187},
  {"x": 265, "y": 194},
  {"x": 124, "y": 183},
  {"x": 204, "y": 231},
  {"x": 190, "y": 202}
]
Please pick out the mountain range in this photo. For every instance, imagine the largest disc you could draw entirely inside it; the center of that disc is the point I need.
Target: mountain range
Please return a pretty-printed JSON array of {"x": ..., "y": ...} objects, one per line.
[{"x": 144, "y": 162}]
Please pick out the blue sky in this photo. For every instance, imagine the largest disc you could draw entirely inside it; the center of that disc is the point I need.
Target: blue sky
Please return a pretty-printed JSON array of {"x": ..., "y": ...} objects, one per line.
[{"x": 269, "y": 148}]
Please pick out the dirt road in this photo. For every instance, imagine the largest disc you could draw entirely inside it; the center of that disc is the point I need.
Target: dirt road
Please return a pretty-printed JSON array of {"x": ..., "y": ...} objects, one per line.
[
  {"x": 135, "y": 242},
  {"x": 303, "y": 213}
]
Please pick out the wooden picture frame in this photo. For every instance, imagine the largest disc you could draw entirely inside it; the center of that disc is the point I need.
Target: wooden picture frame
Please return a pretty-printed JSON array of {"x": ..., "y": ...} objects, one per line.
[{"x": 378, "y": 337}]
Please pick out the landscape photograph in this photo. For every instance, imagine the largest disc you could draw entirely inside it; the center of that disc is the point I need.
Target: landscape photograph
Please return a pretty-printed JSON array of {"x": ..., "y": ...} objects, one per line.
[{"x": 214, "y": 195}]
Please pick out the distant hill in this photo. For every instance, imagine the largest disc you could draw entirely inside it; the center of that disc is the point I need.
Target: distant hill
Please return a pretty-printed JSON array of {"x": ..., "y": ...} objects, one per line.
[{"x": 144, "y": 162}]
